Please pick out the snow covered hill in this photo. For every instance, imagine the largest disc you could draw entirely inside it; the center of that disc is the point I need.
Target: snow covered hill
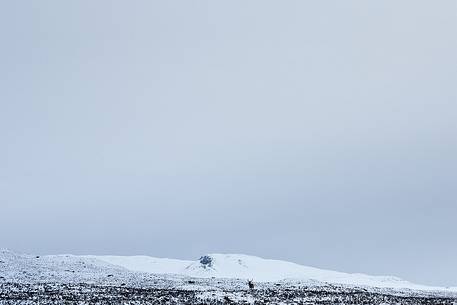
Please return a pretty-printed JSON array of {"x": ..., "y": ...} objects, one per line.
[
  {"x": 142, "y": 269},
  {"x": 141, "y": 263},
  {"x": 15, "y": 267},
  {"x": 240, "y": 266}
]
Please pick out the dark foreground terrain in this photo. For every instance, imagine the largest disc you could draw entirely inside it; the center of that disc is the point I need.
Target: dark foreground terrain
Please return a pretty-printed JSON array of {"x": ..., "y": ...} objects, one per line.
[{"x": 15, "y": 294}]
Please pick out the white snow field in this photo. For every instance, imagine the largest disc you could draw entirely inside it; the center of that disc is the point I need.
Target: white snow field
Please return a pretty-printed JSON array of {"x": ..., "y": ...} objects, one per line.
[
  {"x": 16, "y": 267},
  {"x": 239, "y": 266}
]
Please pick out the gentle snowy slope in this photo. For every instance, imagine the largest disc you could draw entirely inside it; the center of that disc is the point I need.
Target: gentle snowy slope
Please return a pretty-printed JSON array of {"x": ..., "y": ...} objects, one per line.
[
  {"x": 140, "y": 269},
  {"x": 250, "y": 267},
  {"x": 31, "y": 268},
  {"x": 147, "y": 264}
]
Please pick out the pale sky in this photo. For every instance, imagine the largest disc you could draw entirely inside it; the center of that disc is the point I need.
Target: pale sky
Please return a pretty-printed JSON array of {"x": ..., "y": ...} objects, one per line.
[{"x": 319, "y": 132}]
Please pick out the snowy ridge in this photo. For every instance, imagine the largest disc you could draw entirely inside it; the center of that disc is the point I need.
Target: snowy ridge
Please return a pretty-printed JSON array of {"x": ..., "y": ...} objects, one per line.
[
  {"x": 241, "y": 266},
  {"x": 141, "y": 270},
  {"x": 142, "y": 263},
  {"x": 31, "y": 268}
]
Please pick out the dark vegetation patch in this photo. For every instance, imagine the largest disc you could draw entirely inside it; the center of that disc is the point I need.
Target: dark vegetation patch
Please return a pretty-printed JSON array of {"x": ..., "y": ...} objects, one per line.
[{"x": 53, "y": 293}]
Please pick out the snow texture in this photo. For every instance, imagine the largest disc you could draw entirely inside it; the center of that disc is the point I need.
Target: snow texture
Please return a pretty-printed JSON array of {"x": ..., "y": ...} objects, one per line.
[
  {"x": 245, "y": 267},
  {"x": 218, "y": 275}
]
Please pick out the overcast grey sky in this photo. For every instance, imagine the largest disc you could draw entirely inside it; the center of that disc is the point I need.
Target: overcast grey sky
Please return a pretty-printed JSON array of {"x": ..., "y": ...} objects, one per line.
[{"x": 320, "y": 132}]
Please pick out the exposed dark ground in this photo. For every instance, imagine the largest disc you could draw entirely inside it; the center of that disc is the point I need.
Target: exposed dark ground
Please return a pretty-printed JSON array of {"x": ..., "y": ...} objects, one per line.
[{"x": 58, "y": 293}]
